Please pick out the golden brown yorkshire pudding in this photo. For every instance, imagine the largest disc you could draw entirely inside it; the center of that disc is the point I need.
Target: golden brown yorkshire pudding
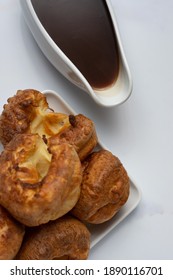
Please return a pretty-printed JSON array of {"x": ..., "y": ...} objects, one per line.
[
  {"x": 65, "y": 238},
  {"x": 28, "y": 112},
  {"x": 11, "y": 235},
  {"x": 38, "y": 185},
  {"x": 81, "y": 134},
  {"x": 104, "y": 188}
]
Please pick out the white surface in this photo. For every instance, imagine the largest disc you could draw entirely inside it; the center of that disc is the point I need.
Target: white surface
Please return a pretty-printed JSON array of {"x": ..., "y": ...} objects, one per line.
[
  {"x": 98, "y": 232},
  {"x": 139, "y": 131}
]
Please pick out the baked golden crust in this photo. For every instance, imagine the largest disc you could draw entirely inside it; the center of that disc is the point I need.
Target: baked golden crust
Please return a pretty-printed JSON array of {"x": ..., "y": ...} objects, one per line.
[
  {"x": 104, "y": 189},
  {"x": 37, "y": 186},
  {"x": 28, "y": 112},
  {"x": 11, "y": 235},
  {"x": 81, "y": 134},
  {"x": 65, "y": 238}
]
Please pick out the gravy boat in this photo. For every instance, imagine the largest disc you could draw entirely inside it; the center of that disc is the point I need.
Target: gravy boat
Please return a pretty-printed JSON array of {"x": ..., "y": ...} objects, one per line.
[{"x": 114, "y": 95}]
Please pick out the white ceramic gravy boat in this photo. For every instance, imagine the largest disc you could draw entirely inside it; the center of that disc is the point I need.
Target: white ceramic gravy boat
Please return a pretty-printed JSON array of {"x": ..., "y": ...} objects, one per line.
[{"x": 114, "y": 95}]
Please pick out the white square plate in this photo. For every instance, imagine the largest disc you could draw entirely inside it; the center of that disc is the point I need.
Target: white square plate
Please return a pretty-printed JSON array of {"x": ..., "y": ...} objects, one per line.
[{"x": 97, "y": 231}]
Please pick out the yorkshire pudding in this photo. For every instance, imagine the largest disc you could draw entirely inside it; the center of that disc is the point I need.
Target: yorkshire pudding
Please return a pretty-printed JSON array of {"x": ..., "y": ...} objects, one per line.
[
  {"x": 11, "y": 235},
  {"x": 28, "y": 112},
  {"x": 38, "y": 183},
  {"x": 81, "y": 134},
  {"x": 104, "y": 188},
  {"x": 65, "y": 238}
]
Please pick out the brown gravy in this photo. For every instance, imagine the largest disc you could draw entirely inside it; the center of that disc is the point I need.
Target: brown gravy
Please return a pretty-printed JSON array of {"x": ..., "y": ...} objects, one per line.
[{"x": 83, "y": 30}]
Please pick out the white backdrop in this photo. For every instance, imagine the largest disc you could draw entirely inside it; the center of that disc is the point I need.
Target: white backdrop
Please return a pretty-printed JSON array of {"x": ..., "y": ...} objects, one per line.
[{"x": 139, "y": 132}]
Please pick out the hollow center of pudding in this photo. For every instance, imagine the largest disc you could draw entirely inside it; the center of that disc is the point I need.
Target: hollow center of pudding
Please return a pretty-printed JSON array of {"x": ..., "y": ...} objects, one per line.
[
  {"x": 48, "y": 123},
  {"x": 36, "y": 164}
]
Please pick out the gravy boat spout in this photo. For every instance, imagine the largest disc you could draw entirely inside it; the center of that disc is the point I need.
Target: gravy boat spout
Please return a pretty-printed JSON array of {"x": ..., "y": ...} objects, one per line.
[{"x": 110, "y": 95}]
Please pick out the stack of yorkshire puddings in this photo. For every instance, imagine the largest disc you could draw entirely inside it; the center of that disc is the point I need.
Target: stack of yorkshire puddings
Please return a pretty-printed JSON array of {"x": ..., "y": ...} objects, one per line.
[{"x": 52, "y": 181}]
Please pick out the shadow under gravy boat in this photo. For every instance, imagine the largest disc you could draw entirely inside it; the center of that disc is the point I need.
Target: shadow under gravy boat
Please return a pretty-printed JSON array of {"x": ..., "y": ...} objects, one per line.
[{"x": 115, "y": 94}]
